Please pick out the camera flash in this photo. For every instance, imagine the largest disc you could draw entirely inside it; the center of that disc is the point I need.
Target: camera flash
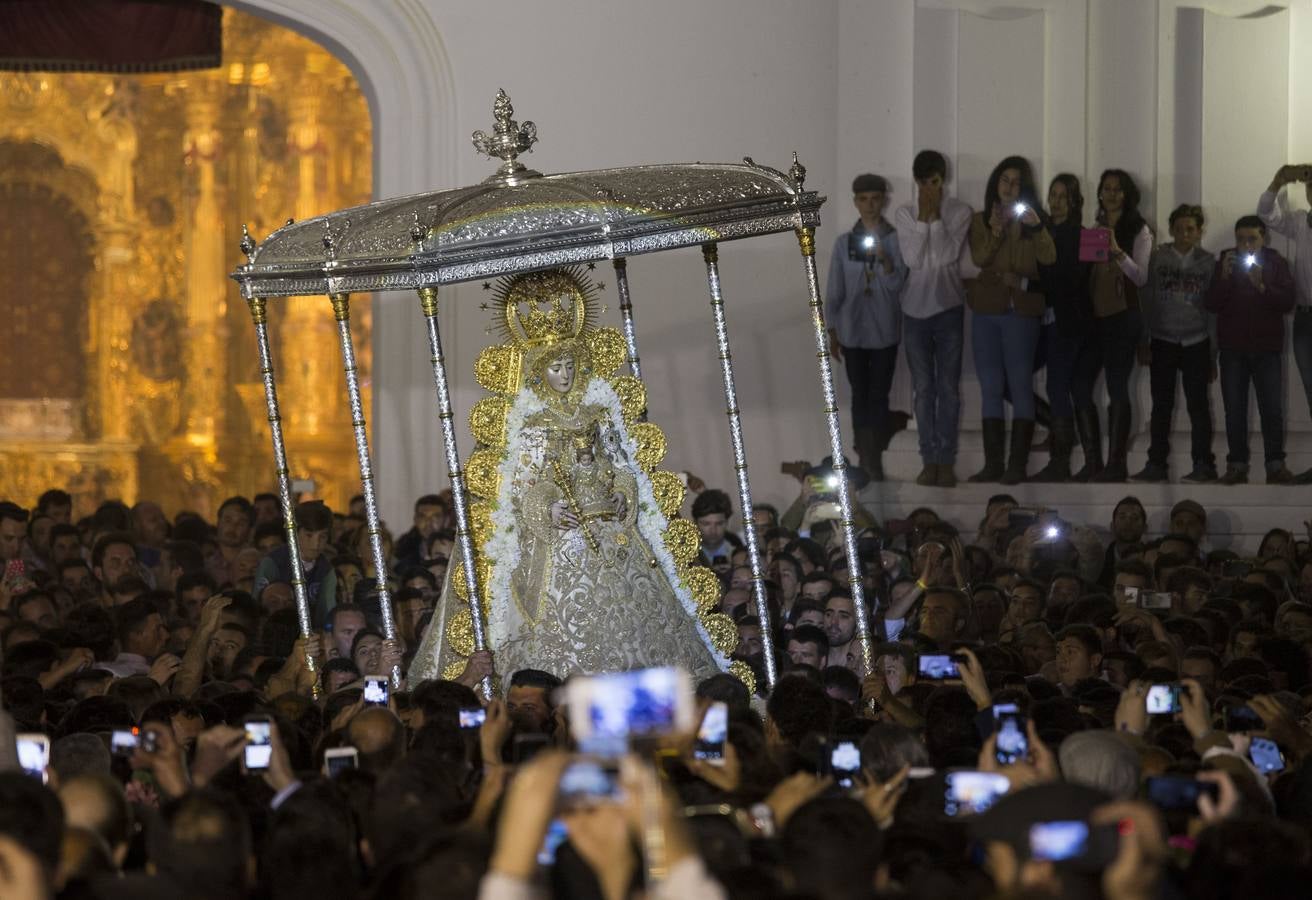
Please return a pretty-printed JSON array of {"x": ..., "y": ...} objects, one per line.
[
  {"x": 1053, "y": 531},
  {"x": 868, "y": 241},
  {"x": 1019, "y": 209},
  {"x": 832, "y": 481},
  {"x": 1250, "y": 260}
]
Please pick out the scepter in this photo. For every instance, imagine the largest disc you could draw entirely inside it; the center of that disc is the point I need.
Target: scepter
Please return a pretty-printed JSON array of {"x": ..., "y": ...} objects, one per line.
[{"x": 562, "y": 482}]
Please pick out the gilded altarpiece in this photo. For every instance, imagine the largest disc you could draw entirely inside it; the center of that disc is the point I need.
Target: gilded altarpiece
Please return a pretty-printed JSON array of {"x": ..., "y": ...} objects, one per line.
[{"x": 128, "y": 365}]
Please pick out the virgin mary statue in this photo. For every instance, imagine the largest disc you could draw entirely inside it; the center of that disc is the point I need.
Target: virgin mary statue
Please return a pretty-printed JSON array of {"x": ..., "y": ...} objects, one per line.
[{"x": 581, "y": 562}]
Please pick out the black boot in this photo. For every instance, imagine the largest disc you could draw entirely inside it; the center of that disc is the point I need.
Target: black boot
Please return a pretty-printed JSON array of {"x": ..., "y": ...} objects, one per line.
[
  {"x": 1118, "y": 442},
  {"x": 1022, "y": 432},
  {"x": 995, "y": 449},
  {"x": 1086, "y": 425},
  {"x": 1059, "y": 460},
  {"x": 868, "y": 453},
  {"x": 1043, "y": 417}
]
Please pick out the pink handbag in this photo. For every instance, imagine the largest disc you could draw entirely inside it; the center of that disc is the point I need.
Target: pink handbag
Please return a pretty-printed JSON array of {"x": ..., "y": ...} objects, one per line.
[{"x": 1095, "y": 245}]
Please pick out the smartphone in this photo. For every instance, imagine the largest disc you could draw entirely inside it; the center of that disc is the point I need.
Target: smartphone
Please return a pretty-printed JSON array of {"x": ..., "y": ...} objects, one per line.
[
  {"x": 607, "y": 711},
  {"x": 1242, "y": 718},
  {"x": 556, "y": 835},
  {"x": 526, "y": 746},
  {"x": 259, "y": 745},
  {"x": 33, "y": 754},
  {"x": 1131, "y": 595},
  {"x": 375, "y": 690},
  {"x": 939, "y": 666},
  {"x": 1012, "y": 743},
  {"x": 845, "y": 763},
  {"x": 712, "y": 734},
  {"x": 337, "y": 760},
  {"x": 1094, "y": 846},
  {"x": 1163, "y": 699},
  {"x": 1177, "y": 792},
  {"x": 124, "y": 741},
  {"x": 472, "y": 717},
  {"x": 1155, "y": 600},
  {"x": 14, "y": 570},
  {"x": 969, "y": 792},
  {"x": 586, "y": 782},
  {"x": 1266, "y": 756}
]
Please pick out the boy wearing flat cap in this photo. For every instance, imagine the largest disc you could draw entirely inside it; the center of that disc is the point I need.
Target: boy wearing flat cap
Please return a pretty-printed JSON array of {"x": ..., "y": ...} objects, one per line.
[{"x": 864, "y": 315}]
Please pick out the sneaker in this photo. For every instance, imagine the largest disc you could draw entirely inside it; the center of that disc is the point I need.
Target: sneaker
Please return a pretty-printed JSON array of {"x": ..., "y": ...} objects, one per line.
[
  {"x": 1202, "y": 475},
  {"x": 1280, "y": 476},
  {"x": 1151, "y": 472},
  {"x": 946, "y": 477},
  {"x": 1234, "y": 476},
  {"x": 928, "y": 476}
]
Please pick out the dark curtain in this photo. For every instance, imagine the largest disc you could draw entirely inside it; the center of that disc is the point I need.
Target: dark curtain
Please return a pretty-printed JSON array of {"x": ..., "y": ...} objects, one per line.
[{"x": 109, "y": 35}]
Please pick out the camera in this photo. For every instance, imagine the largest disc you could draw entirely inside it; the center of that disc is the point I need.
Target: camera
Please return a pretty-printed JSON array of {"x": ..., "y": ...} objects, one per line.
[
  {"x": 1163, "y": 699},
  {"x": 939, "y": 666},
  {"x": 970, "y": 792}
]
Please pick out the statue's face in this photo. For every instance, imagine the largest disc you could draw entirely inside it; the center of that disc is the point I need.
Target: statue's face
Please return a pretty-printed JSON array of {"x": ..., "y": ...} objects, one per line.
[{"x": 560, "y": 374}]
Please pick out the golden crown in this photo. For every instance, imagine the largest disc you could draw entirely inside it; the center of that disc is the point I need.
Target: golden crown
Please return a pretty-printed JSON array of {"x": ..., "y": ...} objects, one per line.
[{"x": 541, "y": 309}]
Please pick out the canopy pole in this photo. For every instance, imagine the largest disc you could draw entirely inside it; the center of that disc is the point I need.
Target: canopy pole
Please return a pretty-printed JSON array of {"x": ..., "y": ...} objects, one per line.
[
  {"x": 342, "y": 313},
  {"x": 806, "y": 240},
  {"x": 626, "y": 316},
  {"x": 259, "y": 317},
  {"x": 459, "y": 492},
  {"x": 712, "y": 256}
]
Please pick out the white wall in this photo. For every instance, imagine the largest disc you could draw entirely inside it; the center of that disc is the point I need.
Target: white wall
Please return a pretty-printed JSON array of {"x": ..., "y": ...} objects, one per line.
[{"x": 852, "y": 85}]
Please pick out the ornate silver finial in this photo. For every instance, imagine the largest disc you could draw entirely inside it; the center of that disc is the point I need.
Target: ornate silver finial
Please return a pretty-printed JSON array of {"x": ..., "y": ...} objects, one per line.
[
  {"x": 508, "y": 139},
  {"x": 797, "y": 172},
  {"x": 329, "y": 244},
  {"x": 247, "y": 244},
  {"x": 417, "y": 232}
]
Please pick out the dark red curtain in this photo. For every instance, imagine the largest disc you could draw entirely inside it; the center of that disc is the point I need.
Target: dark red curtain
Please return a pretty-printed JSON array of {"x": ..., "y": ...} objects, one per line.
[{"x": 109, "y": 35}]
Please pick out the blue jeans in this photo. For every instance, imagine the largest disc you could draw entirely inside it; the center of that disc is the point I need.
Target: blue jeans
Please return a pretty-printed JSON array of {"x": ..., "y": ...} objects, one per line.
[
  {"x": 1004, "y": 348},
  {"x": 1063, "y": 351},
  {"x": 933, "y": 348},
  {"x": 1239, "y": 369},
  {"x": 1303, "y": 349}
]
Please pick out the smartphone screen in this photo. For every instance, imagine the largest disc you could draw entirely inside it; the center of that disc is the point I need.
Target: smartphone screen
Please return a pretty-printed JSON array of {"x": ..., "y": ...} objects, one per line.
[
  {"x": 845, "y": 763},
  {"x": 259, "y": 745},
  {"x": 1177, "y": 792},
  {"x": 555, "y": 836},
  {"x": 712, "y": 734},
  {"x": 1266, "y": 756},
  {"x": 1058, "y": 841},
  {"x": 124, "y": 741},
  {"x": 1163, "y": 699},
  {"x": 971, "y": 792},
  {"x": 1155, "y": 600},
  {"x": 586, "y": 782},
  {"x": 606, "y": 711},
  {"x": 375, "y": 691},
  {"x": 938, "y": 667},
  {"x": 33, "y": 754},
  {"x": 1242, "y": 718},
  {"x": 1011, "y": 744},
  {"x": 473, "y": 718},
  {"x": 338, "y": 759}
]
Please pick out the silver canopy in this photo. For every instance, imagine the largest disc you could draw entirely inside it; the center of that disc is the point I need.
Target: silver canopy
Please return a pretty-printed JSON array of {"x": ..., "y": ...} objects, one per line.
[{"x": 491, "y": 230}]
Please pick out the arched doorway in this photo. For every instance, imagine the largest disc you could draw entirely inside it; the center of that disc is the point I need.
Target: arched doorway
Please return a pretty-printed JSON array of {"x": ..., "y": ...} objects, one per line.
[{"x": 123, "y": 205}]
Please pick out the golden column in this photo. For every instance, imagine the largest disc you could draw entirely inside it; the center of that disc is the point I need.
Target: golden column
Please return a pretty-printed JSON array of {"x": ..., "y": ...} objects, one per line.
[{"x": 206, "y": 286}]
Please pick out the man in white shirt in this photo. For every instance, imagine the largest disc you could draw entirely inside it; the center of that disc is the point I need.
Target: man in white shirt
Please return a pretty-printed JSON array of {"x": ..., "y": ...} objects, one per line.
[
  {"x": 1273, "y": 208},
  {"x": 931, "y": 233}
]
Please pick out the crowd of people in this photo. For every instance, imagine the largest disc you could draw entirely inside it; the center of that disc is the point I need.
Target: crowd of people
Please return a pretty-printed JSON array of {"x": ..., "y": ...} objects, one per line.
[
  {"x": 1045, "y": 291},
  {"x": 1043, "y": 712}
]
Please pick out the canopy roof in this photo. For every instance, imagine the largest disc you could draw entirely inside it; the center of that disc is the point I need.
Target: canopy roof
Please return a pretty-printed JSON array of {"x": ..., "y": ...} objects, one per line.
[{"x": 518, "y": 221}]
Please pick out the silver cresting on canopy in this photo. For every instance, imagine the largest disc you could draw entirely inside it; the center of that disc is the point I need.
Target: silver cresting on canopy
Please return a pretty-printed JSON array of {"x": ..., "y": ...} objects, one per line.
[{"x": 516, "y": 221}]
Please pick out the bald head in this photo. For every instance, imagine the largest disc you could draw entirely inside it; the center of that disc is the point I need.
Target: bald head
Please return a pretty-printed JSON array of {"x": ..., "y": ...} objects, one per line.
[
  {"x": 97, "y": 803},
  {"x": 379, "y": 736}
]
